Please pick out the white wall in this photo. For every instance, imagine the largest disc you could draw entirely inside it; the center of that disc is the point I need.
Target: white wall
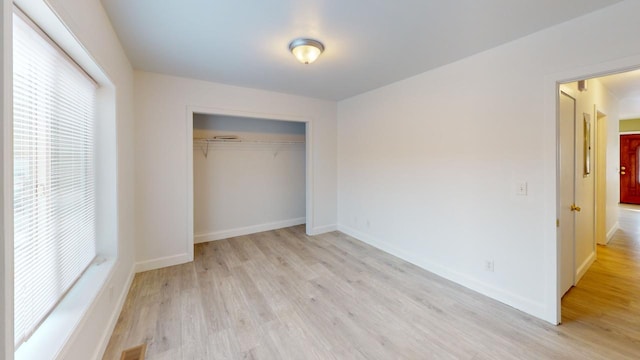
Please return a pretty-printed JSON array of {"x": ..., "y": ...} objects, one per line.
[
  {"x": 428, "y": 166},
  {"x": 246, "y": 187},
  {"x": 613, "y": 165},
  {"x": 161, "y": 106},
  {"x": 89, "y": 23},
  {"x": 251, "y": 129},
  {"x": 630, "y": 108}
]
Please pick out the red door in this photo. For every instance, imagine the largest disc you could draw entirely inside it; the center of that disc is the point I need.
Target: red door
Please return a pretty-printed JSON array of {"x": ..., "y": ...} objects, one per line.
[{"x": 629, "y": 181}]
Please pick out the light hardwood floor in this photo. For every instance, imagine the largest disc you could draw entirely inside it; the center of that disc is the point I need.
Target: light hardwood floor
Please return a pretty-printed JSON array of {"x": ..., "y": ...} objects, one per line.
[{"x": 284, "y": 295}]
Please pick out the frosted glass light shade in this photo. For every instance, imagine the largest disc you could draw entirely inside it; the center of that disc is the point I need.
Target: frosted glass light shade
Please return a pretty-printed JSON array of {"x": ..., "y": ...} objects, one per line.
[{"x": 306, "y": 50}]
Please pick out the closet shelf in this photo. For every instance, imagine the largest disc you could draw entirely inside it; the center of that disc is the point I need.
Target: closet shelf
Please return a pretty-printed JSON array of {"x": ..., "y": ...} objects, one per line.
[
  {"x": 275, "y": 142},
  {"x": 203, "y": 143}
]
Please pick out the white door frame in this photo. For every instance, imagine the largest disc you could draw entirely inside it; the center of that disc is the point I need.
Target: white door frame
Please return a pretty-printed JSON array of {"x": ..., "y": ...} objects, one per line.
[
  {"x": 600, "y": 119},
  {"x": 191, "y": 110},
  {"x": 552, "y": 297}
]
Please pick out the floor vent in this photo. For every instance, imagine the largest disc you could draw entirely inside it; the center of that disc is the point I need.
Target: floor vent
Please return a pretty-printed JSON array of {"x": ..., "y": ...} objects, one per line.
[{"x": 134, "y": 353}]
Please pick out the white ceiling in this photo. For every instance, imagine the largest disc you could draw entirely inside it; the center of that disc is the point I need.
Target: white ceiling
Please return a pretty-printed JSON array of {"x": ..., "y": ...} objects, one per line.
[
  {"x": 369, "y": 43},
  {"x": 626, "y": 87},
  {"x": 623, "y": 85}
]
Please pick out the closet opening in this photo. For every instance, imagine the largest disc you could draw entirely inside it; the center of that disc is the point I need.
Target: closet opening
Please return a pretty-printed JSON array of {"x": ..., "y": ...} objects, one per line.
[{"x": 249, "y": 174}]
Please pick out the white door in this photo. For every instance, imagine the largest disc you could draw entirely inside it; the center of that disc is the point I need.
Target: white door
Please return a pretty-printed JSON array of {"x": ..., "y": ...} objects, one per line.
[{"x": 567, "y": 168}]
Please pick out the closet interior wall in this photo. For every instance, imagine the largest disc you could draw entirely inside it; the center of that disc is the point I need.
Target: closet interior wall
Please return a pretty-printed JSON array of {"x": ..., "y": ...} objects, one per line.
[{"x": 250, "y": 184}]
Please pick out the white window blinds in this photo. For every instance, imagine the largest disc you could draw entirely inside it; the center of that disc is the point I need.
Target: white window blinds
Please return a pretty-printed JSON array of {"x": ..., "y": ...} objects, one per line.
[{"x": 54, "y": 184}]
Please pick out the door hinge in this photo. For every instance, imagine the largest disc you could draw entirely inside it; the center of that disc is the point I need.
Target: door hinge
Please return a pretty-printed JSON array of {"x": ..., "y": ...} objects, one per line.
[{"x": 557, "y": 222}]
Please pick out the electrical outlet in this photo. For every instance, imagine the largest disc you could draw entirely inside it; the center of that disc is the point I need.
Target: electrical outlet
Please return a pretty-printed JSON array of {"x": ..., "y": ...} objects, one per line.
[{"x": 488, "y": 265}]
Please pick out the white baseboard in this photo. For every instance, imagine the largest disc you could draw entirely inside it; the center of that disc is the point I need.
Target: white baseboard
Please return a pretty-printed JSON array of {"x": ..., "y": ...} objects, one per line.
[
  {"x": 162, "y": 262},
  {"x": 612, "y": 232},
  {"x": 111, "y": 325},
  {"x": 323, "y": 229},
  {"x": 582, "y": 269},
  {"x": 526, "y": 305},
  {"x": 224, "y": 234}
]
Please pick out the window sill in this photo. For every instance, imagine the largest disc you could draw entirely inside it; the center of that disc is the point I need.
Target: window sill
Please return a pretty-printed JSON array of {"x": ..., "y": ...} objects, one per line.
[{"x": 50, "y": 338}]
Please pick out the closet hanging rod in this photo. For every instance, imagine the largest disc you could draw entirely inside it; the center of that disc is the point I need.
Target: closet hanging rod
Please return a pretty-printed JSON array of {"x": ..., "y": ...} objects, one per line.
[{"x": 213, "y": 140}]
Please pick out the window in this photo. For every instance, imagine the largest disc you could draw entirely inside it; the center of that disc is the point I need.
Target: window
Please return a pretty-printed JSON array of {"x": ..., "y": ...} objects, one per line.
[{"x": 54, "y": 181}]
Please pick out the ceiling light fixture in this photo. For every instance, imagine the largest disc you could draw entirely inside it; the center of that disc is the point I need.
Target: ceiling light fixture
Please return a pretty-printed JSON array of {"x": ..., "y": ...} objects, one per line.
[{"x": 306, "y": 50}]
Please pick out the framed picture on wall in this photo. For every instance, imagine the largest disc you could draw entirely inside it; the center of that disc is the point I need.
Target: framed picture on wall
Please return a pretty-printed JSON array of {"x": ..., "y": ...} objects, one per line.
[{"x": 587, "y": 144}]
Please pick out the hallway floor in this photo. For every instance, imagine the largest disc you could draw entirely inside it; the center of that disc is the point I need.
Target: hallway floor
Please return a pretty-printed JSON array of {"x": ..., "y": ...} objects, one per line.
[{"x": 606, "y": 301}]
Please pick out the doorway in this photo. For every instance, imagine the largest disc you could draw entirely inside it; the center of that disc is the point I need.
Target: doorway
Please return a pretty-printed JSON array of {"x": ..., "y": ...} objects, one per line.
[
  {"x": 192, "y": 111},
  {"x": 249, "y": 175},
  {"x": 583, "y": 144},
  {"x": 629, "y": 185},
  {"x": 587, "y": 117},
  {"x": 577, "y": 167}
]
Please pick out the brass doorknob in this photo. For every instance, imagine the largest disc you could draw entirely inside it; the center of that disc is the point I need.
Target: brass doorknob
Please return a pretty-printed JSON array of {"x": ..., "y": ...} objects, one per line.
[
  {"x": 623, "y": 168},
  {"x": 575, "y": 208},
  {"x": 622, "y": 172}
]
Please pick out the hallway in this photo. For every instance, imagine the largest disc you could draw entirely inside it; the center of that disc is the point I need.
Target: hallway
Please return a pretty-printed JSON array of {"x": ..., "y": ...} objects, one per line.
[{"x": 605, "y": 305}]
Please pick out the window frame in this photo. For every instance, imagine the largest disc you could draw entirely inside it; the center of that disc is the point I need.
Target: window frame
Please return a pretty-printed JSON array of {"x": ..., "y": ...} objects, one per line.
[
  {"x": 94, "y": 291},
  {"x": 40, "y": 198}
]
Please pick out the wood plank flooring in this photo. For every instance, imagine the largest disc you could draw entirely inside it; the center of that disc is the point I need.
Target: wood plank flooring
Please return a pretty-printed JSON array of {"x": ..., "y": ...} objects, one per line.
[
  {"x": 284, "y": 295},
  {"x": 606, "y": 301}
]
